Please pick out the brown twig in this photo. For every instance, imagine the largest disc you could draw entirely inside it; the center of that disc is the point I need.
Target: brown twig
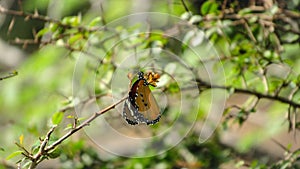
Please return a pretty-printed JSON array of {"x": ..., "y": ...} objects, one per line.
[
  {"x": 12, "y": 74},
  {"x": 35, "y": 16},
  {"x": 202, "y": 84},
  {"x": 36, "y": 158},
  {"x": 84, "y": 101}
]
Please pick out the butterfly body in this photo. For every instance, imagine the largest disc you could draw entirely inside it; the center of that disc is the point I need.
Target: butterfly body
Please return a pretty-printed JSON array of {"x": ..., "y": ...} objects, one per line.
[{"x": 141, "y": 106}]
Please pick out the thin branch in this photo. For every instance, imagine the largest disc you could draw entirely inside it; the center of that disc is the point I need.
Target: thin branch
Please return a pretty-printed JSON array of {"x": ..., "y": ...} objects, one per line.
[
  {"x": 12, "y": 74},
  {"x": 26, "y": 153},
  {"x": 84, "y": 101},
  {"x": 26, "y": 42},
  {"x": 102, "y": 14},
  {"x": 44, "y": 149},
  {"x": 251, "y": 36},
  {"x": 280, "y": 145},
  {"x": 85, "y": 123},
  {"x": 185, "y": 6},
  {"x": 35, "y": 16},
  {"x": 202, "y": 84}
]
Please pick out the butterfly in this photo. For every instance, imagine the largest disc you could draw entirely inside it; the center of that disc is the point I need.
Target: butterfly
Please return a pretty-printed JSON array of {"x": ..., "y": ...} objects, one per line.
[{"x": 141, "y": 106}]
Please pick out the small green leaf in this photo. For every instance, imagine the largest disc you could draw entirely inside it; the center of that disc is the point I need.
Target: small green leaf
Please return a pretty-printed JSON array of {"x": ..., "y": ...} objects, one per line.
[
  {"x": 57, "y": 117},
  {"x": 42, "y": 32},
  {"x": 72, "y": 20},
  {"x": 81, "y": 119},
  {"x": 245, "y": 11},
  {"x": 209, "y": 7},
  {"x": 35, "y": 147},
  {"x": 69, "y": 126},
  {"x": 253, "y": 19},
  {"x": 53, "y": 27},
  {"x": 252, "y": 110},
  {"x": 2, "y": 149},
  {"x": 75, "y": 38},
  {"x": 12, "y": 155},
  {"x": 174, "y": 88},
  {"x": 225, "y": 125},
  {"x": 70, "y": 117},
  {"x": 274, "y": 9},
  {"x": 55, "y": 153},
  {"x": 195, "y": 19},
  {"x": 95, "y": 21},
  {"x": 185, "y": 16}
]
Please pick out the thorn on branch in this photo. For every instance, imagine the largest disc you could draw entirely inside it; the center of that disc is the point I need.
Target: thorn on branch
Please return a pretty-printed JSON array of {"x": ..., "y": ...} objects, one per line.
[
  {"x": 12, "y": 74},
  {"x": 11, "y": 25},
  {"x": 26, "y": 153}
]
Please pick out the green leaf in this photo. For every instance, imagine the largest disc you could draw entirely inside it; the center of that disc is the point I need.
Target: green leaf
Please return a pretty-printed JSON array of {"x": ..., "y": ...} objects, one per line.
[
  {"x": 75, "y": 38},
  {"x": 274, "y": 9},
  {"x": 72, "y": 20},
  {"x": 209, "y": 7},
  {"x": 55, "y": 153},
  {"x": 2, "y": 149},
  {"x": 185, "y": 16},
  {"x": 35, "y": 147},
  {"x": 12, "y": 155},
  {"x": 95, "y": 21},
  {"x": 70, "y": 117},
  {"x": 69, "y": 126},
  {"x": 174, "y": 88},
  {"x": 195, "y": 19},
  {"x": 245, "y": 11},
  {"x": 53, "y": 27},
  {"x": 81, "y": 119},
  {"x": 42, "y": 32},
  {"x": 57, "y": 117}
]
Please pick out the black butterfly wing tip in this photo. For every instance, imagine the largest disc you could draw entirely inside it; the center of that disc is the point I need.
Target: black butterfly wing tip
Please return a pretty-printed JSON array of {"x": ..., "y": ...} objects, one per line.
[
  {"x": 153, "y": 121},
  {"x": 131, "y": 122}
]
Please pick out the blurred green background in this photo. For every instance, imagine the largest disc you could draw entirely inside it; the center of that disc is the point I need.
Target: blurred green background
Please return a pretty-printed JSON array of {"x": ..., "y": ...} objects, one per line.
[{"x": 251, "y": 134}]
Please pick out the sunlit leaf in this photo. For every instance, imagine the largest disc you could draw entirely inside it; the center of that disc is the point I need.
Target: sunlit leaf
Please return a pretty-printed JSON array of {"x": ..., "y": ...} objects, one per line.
[
  {"x": 14, "y": 154},
  {"x": 42, "y": 32},
  {"x": 70, "y": 117},
  {"x": 245, "y": 11},
  {"x": 75, "y": 38},
  {"x": 69, "y": 126},
  {"x": 209, "y": 7},
  {"x": 72, "y": 20},
  {"x": 57, "y": 117},
  {"x": 195, "y": 19},
  {"x": 95, "y": 21},
  {"x": 55, "y": 153}
]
